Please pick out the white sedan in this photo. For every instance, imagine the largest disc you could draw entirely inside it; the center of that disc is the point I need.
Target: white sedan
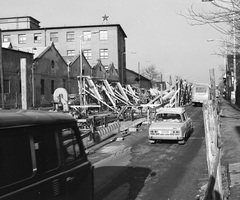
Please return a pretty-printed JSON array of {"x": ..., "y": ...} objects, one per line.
[{"x": 170, "y": 124}]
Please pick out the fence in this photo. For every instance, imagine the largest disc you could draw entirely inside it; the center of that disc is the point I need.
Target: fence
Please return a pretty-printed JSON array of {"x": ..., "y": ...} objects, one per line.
[{"x": 213, "y": 150}]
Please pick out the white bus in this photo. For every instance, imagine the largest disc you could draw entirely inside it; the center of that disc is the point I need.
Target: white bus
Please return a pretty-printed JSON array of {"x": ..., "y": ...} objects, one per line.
[{"x": 200, "y": 93}]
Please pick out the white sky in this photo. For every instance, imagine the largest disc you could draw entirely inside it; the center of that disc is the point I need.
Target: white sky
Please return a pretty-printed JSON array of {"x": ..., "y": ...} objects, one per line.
[{"x": 154, "y": 30}]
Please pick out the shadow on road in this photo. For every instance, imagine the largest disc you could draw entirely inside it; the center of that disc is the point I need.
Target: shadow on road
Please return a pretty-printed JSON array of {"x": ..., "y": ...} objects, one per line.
[
  {"x": 238, "y": 130},
  {"x": 116, "y": 182}
]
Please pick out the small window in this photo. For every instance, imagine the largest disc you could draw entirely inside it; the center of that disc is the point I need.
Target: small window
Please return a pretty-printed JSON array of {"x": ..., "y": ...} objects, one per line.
[
  {"x": 42, "y": 86},
  {"x": 54, "y": 37},
  {"x": 88, "y": 54},
  {"x": 6, "y": 38},
  {"x": 70, "y": 36},
  {"x": 71, "y": 52},
  {"x": 49, "y": 150},
  {"x": 52, "y": 86},
  {"x": 103, "y": 53},
  {"x": 16, "y": 158},
  {"x": 22, "y": 38},
  {"x": 87, "y": 35},
  {"x": 71, "y": 146},
  {"x": 103, "y": 35},
  {"x": 52, "y": 64},
  {"x": 37, "y": 37}
]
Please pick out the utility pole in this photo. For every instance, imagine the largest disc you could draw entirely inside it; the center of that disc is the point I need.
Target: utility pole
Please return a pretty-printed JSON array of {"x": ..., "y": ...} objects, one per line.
[{"x": 1, "y": 71}]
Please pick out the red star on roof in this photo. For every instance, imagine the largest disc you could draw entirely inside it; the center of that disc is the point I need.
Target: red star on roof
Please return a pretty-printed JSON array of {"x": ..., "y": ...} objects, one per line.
[{"x": 105, "y": 17}]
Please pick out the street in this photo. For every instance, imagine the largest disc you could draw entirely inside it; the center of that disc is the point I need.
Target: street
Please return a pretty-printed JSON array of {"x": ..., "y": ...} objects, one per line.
[{"x": 135, "y": 169}]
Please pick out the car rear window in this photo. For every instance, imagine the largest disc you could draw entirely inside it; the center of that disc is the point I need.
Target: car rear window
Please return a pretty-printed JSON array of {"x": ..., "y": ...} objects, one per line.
[{"x": 168, "y": 117}]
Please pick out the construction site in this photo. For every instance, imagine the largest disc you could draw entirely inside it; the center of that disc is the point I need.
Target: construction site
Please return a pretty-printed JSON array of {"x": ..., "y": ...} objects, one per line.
[{"x": 100, "y": 106}]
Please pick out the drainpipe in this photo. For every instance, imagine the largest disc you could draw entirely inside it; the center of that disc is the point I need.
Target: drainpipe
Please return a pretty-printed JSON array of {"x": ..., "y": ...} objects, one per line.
[
  {"x": 69, "y": 80},
  {"x": 33, "y": 86}
]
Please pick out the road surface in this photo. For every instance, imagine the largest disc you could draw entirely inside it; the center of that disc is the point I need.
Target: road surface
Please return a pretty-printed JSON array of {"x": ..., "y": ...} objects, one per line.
[{"x": 134, "y": 169}]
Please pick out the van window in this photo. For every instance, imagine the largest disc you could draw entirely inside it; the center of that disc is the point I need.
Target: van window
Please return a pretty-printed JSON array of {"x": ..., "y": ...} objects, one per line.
[
  {"x": 71, "y": 146},
  {"x": 46, "y": 148},
  {"x": 15, "y": 157}
]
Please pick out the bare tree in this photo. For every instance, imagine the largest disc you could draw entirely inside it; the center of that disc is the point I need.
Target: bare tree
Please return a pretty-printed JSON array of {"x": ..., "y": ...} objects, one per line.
[
  {"x": 151, "y": 73},
  {"x": 223, "y": 15}
]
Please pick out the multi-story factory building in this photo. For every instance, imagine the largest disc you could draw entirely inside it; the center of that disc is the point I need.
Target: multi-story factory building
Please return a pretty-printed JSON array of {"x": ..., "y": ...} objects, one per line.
[{"x": 104, "y": 42}]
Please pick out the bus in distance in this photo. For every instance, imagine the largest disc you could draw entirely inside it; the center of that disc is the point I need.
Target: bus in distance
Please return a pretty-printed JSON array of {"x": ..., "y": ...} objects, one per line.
[{"x": 200, "y": 93}]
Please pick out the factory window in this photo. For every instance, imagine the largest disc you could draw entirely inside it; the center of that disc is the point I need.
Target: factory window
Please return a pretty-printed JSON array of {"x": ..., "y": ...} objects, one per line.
[
  {"x": 22, "y": 38},
  {"x": 103, "y": 53},
  {"x": 71, "y": 52},
  {"x": 70, "y": 36},
  {"x": 42, "y": 86},
  {"x": 103, "y": 35},
  {"x": 87, "y": 35},
  {"x": 54, "y": 37},
  {"x": 52, "y": 86},
  {"x": 88, "y": 54},
  {"x": 6, "y": 38},
  {"x": 37, "y": 37},
  {"x": 52, "y": 64}
]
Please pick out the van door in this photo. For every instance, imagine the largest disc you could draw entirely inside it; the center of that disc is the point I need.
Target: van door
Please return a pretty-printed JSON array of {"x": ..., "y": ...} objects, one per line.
[
  {"x": 79, "y": 173},
  {"x": 30, "y": 165},
  {"x": 48, "y": 158}
]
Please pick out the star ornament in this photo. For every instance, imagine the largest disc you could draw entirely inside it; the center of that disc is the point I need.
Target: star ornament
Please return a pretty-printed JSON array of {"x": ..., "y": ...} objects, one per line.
[{"x": 105, "y": 17}]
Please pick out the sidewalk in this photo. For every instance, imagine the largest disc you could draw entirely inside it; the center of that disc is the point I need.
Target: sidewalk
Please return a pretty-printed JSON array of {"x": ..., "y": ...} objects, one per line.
[{"x": 230, "y": 130}]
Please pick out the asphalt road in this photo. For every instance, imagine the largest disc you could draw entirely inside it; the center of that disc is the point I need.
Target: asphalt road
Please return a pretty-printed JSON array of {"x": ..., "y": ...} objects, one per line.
[{"x": 135, "y": 169}]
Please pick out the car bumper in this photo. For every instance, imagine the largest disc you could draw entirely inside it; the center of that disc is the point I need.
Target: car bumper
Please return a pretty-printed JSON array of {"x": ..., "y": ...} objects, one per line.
[{"x": 165, "y": 137}]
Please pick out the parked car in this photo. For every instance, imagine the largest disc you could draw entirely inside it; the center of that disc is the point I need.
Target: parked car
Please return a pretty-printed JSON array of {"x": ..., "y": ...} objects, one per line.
[
  {"x": 42, "y": 157},
  {"x": 170, "y": 124}
]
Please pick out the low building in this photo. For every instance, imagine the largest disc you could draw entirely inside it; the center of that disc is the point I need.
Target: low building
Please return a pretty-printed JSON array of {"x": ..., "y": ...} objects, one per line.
[
  {"x": 17, "y": 65},
  {"x": 135, "y": 79},
  {"x": 50, "y": 73},
  {"x": 74, "y": 72}
]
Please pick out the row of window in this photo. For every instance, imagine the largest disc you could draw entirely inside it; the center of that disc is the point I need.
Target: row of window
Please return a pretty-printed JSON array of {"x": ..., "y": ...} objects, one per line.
[
  {"x": 70, "y": 37},
  {"x": 42, "y": 83},
  {"x": 103, "y": 53}
]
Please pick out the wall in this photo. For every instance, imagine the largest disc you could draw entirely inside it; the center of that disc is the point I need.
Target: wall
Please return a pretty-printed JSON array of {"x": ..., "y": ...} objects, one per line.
[
  {"x": 45, "y": 70},
  {"x": 11, "y": 67}
]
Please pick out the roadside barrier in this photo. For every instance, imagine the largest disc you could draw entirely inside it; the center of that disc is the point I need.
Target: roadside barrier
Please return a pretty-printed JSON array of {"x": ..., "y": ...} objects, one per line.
[
  {"x": 213, "y": 149},
  {"x": 105, "y": 132}
]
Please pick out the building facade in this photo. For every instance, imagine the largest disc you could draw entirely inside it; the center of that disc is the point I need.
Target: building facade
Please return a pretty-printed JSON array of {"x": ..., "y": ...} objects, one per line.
[
  {"x": 97, "y": 42},
  {"x": 50, "y": 71},
  {"x": 133, "y": 78},
  {"x": 13, "y": 73}
]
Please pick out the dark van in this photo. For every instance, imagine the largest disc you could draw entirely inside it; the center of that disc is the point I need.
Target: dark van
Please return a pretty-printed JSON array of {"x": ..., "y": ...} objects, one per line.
[{"x": 42, "y": 157}]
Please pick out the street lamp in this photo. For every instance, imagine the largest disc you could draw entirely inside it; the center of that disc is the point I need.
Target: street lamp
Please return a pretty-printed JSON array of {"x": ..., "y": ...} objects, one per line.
[{"x": 81, "y": 65}]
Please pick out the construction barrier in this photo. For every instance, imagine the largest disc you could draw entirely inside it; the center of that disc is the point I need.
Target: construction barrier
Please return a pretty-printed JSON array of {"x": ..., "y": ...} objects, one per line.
[{"x": 104, "y": 132}]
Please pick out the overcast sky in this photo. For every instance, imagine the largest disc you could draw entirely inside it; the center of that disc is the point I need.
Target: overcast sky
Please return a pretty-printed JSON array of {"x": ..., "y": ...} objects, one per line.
[{"x": 154, "y": 30}]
